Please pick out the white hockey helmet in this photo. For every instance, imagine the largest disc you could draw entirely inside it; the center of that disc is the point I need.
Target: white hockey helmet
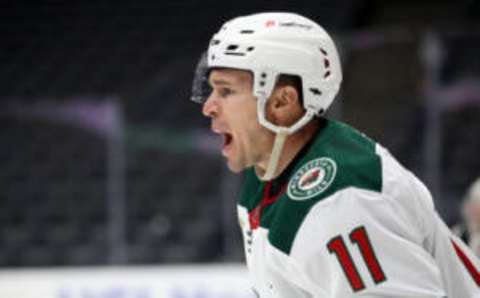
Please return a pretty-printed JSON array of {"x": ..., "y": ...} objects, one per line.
[{"x": 272, "y": 44}]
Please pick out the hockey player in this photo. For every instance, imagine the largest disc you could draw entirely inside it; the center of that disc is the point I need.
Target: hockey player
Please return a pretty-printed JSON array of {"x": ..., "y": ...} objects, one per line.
[{"x": 325, "y": 211}]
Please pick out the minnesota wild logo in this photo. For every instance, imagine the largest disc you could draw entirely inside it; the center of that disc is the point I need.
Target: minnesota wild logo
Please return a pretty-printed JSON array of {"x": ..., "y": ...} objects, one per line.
[{"x": 312, "y": 179}]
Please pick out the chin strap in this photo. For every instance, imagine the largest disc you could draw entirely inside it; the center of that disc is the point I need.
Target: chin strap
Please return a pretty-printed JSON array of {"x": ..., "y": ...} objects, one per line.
[
  {"x": 280, "y": 138},
  {"x": 281, "y": 134}
]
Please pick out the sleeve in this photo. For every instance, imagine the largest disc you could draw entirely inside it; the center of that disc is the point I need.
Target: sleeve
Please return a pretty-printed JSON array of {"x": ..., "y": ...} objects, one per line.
[{"x": 458, "y": 265}]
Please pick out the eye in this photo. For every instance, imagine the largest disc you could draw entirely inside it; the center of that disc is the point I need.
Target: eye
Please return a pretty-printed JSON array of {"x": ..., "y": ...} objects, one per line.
[{"x": 224, "y": 92}]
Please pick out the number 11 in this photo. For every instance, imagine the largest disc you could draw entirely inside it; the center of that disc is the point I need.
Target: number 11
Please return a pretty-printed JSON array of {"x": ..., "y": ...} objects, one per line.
[{"x": 359, "y": 237}]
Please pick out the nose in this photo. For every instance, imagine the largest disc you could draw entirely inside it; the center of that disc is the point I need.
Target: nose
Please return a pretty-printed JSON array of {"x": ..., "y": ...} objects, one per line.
[{"x": 210, "y": 107}]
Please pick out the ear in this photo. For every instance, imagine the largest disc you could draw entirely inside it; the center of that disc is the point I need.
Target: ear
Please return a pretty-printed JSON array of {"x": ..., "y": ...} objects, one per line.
[
  {"x": 284, "y": 107},
  {"x": 284, "y": 97}
]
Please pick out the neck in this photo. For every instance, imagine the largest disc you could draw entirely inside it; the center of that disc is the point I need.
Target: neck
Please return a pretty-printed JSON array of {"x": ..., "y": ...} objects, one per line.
[{"x": 293, "y": 144}]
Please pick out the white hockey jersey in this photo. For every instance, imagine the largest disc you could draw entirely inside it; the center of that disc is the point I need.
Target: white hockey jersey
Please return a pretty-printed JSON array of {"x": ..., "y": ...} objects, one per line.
[{"x": 347, "y": 220}]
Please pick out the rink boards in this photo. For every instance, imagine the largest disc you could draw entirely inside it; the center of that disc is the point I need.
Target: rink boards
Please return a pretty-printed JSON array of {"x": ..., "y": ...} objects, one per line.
[{"x": 202, "y": 281}]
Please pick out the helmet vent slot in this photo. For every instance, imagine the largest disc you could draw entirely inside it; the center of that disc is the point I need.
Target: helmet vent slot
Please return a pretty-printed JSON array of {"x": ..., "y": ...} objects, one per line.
[
  {"x": 326, "y": 62},
  {"x": 234, "y": 53},
  {"x": 233, "y": 50},
  {"x": 247, "y": 32},
  {"x": 249, "y": 49},
  {"x": 315, "y": 91},
  {"x": 215, "y": 42},
  {"x": 327, "y": 74},
  {"x": 323, "y": 51}
]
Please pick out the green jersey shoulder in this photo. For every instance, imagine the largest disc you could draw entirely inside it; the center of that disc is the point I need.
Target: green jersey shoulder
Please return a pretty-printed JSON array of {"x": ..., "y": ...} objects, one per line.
[{"x": 338, "y": 158}]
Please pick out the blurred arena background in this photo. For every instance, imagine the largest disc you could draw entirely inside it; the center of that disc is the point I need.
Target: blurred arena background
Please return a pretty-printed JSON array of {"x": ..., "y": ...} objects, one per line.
[{"x": 105, "y": 162}]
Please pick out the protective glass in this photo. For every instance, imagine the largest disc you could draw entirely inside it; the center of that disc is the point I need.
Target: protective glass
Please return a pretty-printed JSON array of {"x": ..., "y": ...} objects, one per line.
[{"x": 200, "y": 87}]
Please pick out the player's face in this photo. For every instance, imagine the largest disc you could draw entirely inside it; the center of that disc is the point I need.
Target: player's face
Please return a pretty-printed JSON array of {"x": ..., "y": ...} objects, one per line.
[{"x": 233, "y": 112}]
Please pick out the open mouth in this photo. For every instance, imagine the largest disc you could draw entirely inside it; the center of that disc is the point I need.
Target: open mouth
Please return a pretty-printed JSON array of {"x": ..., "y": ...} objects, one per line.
[{"x": 227, "y": 141}]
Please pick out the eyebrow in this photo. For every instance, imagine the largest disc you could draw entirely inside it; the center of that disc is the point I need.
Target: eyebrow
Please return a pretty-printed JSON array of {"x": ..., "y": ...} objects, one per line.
[{"x": 220, "y": 82}]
